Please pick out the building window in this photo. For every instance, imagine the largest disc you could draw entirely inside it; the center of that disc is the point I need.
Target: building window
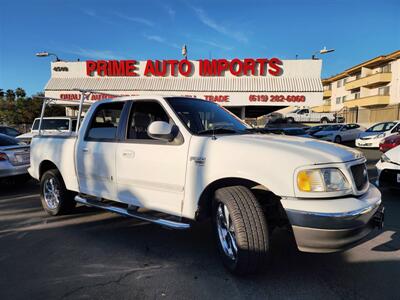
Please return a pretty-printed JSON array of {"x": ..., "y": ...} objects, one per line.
[
  {"x": 344, "y": 81},
  {"x": 386, "y": 69},
  {"x": 384, "y": 91},
  {"x": 338, "y": 100},
  {"x": 343, "y": 98},
  {"x": 357, "y": 95},
  {"x": 358, "y": 76},
  {"x": 339, "y": 83}
]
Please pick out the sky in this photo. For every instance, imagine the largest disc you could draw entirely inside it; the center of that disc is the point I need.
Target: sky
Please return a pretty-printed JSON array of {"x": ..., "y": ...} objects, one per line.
[{"x": 156, "y": 29}]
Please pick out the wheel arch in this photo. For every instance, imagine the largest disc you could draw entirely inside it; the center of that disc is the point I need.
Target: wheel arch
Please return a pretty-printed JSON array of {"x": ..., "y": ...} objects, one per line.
[
  {"x": 205, "y": 200},
  {"x": 45, "y": 166}
]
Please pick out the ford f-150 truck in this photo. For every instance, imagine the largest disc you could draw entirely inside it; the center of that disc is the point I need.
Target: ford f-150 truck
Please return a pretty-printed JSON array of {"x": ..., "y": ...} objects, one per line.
[{"x": 192, "y": 160}]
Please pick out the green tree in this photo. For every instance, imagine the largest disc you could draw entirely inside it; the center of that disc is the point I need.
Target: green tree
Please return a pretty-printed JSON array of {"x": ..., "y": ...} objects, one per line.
[
  {"x": 10, "y": 95},
  {"x": 1, "y": 93},
  {"x": 20, "y": 93}
]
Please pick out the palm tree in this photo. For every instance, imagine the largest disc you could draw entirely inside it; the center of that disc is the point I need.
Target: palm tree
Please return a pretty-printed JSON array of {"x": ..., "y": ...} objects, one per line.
[
  {"x": 20, "y": 93},
  {"x": 10, "y": 95}
]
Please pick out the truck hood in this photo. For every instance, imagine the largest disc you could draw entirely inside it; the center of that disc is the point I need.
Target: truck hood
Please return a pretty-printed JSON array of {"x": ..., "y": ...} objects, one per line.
[{"x": 304, "y": 151}]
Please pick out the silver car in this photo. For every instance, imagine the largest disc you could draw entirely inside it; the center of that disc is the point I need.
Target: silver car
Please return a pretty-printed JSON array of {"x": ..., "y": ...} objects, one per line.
[{"x": 14, "y": 157}]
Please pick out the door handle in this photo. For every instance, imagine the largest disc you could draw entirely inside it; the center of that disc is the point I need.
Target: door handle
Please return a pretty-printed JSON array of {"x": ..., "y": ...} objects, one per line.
[
  {"x": 128, "y": 154},
  {"x": 85, "y": 150}
]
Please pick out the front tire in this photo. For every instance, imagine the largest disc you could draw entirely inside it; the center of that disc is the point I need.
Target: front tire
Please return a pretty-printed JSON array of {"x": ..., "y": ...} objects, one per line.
[
  {"x": 55, "y": 198},
  {"x": 241, "y": 230}
]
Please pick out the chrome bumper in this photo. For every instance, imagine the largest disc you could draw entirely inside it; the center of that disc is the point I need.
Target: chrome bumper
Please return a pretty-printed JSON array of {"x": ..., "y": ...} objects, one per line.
[{"x": 336, "y": 231}]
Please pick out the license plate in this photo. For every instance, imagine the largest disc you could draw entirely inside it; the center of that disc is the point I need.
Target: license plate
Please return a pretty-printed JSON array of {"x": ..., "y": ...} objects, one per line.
[
  {"x": 398, "y": 178},
  {"x": 23, "y": 158}
]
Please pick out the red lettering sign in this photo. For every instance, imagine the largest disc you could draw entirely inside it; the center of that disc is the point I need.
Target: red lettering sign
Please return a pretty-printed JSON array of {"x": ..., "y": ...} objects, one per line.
[{"x": 161, "y": 68}]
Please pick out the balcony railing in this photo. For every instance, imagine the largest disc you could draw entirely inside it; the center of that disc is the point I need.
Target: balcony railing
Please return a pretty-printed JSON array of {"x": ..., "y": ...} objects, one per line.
[
  {"x": 369, "y": 81},
  {"x": 367, "y": 101},
  {"x": 327, "y": 93}
]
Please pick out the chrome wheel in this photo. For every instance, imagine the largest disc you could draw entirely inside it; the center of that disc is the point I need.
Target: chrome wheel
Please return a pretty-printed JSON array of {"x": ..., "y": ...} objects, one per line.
[
  {"x": 51, "y": 193},
  {"x": 226, "y": 232}
]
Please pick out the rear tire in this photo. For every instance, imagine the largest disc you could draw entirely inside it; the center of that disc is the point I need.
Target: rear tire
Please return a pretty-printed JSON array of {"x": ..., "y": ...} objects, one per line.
[
  {"x": 324, "y": 121},
  {"x": 338, "y": 139},
  {"x": 290, "y": 120},
  {"x": 56, "y": 199},
  {"x": 241, "y": 230}
]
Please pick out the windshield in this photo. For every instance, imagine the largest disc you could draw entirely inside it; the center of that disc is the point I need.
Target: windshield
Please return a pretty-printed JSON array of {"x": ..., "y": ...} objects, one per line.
[
  {"x": 381, "y": 127},
  {"x": 6, "y": 140},
  {"x": 52, "y": 124},
  {"x": 332, "y": 128},
  {"x": 202, "y": 116}
]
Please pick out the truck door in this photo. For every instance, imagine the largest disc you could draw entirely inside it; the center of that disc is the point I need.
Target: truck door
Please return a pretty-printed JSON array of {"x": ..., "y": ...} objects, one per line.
[
  {"x": 306, "y": 115},
  {"x": 150, "y": 173},
  {"x": 95, "y": 153}
]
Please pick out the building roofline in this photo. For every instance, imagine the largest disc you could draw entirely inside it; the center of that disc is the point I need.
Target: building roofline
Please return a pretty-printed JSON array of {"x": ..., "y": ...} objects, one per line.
[{"x": 368, "y": 63}]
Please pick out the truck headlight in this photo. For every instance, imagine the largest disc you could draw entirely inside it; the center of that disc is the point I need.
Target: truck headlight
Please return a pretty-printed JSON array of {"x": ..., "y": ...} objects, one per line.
[{"x": 322, "y": 180}]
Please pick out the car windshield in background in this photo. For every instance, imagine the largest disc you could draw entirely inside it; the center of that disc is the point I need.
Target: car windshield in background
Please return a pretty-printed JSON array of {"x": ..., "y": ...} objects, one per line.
[
  {"x": 52, "y": 124},
  {"x": 381, "y": 127},
  {"x": 204, "y": 117},
  {"x": 6, "y": 140},
  {"x": 332, "y": 128}
]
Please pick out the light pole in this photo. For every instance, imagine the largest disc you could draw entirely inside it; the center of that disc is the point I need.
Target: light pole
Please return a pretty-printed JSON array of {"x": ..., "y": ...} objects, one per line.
[
  {"x": 46, "y": 54},
  {"x": 184, "y": 51},
  {"x": 322, "y": 51}
]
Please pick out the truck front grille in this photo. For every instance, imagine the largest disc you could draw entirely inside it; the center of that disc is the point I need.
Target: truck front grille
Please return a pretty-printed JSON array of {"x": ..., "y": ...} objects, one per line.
[{"x": 360, "y": 175}]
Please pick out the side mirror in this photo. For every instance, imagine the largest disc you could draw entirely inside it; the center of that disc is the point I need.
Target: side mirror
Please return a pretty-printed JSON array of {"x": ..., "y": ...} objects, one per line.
[{"x": 163, "y": 131}]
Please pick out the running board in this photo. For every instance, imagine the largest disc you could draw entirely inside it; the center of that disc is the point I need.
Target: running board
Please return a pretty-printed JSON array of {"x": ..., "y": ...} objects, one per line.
[{"x": 133, "y": 214}]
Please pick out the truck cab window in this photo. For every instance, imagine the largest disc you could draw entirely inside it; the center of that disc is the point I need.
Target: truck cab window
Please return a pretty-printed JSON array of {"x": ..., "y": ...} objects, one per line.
[
  {"x": 105, "y": 121},
  {"x": 143, "y": 113}
]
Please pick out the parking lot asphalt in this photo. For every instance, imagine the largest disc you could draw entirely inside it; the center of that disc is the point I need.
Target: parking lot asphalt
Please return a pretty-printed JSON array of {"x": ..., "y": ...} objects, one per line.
[{"x": 95, "y": 254}]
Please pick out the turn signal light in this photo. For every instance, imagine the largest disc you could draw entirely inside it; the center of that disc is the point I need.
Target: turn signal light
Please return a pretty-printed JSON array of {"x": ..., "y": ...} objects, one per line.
[{"x": 3, "y": 156}]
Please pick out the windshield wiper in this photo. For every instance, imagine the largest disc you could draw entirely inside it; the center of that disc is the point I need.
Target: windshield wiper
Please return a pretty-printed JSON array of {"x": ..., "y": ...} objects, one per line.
[{"x": 218, "y": 130}]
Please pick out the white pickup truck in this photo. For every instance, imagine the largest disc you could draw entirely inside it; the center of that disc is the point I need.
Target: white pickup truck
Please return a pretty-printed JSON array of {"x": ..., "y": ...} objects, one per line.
[
  {"x": 192, "y": 160},
  {"x": 51, "y": 126},
  {"x": 306, "y": 115}
]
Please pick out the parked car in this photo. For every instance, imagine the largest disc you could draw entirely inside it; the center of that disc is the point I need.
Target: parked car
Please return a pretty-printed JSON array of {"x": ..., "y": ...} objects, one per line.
[
  {"x": 14, "y": 157},
  {"x": 306, "y": 115},
  {"x": 301, "y": 132},
  {"x": 339, "y": 133},
  {"x": 389, "y": 169},
  {"x": 274, "y": 118},
  {"x": 173, "y": 155},
  {"x": 50, "y": 126},
  {"x": 390, "y": 142},
  {"x": 314, "y": 129},
  {"x": 374, "y": 135},
  {"x": 9, "y": 131}
]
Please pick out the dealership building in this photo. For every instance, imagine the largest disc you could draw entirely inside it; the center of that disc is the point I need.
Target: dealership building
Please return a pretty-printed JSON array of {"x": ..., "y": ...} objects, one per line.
[{"x": 247, "y": 87}]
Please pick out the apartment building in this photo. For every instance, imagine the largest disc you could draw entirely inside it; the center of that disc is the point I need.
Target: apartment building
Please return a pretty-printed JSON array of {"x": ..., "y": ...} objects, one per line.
[{"x": 372, "y": 84}]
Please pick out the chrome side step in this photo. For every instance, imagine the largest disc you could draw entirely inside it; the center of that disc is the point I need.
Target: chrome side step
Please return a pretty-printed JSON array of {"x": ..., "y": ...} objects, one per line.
[{"x": 133, "y": 214}]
